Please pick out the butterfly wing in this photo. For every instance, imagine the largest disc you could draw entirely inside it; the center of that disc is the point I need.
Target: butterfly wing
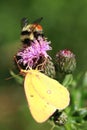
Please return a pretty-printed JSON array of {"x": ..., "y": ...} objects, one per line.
[
  {"x": 52, "y": 91},
  {"x": 44, "y": 95},
  {"x": 40, "y": 109}
]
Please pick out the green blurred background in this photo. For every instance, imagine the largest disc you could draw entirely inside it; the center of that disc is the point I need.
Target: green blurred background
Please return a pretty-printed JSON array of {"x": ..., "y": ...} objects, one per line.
[{"x": 65, "y": 25}]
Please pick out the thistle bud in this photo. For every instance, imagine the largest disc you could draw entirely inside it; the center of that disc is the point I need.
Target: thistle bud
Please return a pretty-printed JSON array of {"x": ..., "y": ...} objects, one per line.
[{"x": 66, "y": 61}]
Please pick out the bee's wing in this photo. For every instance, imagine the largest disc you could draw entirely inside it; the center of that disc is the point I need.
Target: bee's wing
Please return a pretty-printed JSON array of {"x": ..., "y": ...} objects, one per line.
[
  {"x": 24, "y": 22},
  {"x": 37, "y": 21}
]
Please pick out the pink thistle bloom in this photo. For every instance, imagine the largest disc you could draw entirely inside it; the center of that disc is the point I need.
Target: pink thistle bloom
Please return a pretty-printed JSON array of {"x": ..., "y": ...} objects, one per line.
[
  {"x": 32, "y": 54},
  {"x": 66, "y": 61}
]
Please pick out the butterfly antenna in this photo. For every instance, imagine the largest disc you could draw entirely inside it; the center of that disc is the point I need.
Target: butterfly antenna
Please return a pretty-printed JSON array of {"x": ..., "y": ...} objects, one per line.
[
  {"x": 17, "y": 63},
  {"x": 11, "y": 77},
  {"x": 22, "y": 71}
]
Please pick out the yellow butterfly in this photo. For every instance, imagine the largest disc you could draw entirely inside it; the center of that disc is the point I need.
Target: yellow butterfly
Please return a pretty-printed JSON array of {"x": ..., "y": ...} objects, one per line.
[{"x": 44, "y": 95}]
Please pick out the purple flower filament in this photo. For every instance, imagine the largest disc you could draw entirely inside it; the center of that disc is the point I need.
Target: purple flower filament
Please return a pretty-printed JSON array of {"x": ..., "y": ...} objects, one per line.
[{"x": 30, "y": 55}]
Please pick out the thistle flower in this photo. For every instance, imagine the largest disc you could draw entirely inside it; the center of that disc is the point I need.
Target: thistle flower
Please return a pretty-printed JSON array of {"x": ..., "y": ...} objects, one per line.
[
  {"x": 66, "y": 61},
  {"x": 34, "y": 54}
]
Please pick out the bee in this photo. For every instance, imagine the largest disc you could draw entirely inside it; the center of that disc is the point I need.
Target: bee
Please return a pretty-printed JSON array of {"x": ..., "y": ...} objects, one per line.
[{"x": 30, "y": 31}]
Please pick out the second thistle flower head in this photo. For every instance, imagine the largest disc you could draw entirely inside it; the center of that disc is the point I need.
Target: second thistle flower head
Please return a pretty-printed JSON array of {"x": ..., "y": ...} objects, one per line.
[
  {"x": 66, "y": 61},
  {"x": 34, "y": 54}
]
